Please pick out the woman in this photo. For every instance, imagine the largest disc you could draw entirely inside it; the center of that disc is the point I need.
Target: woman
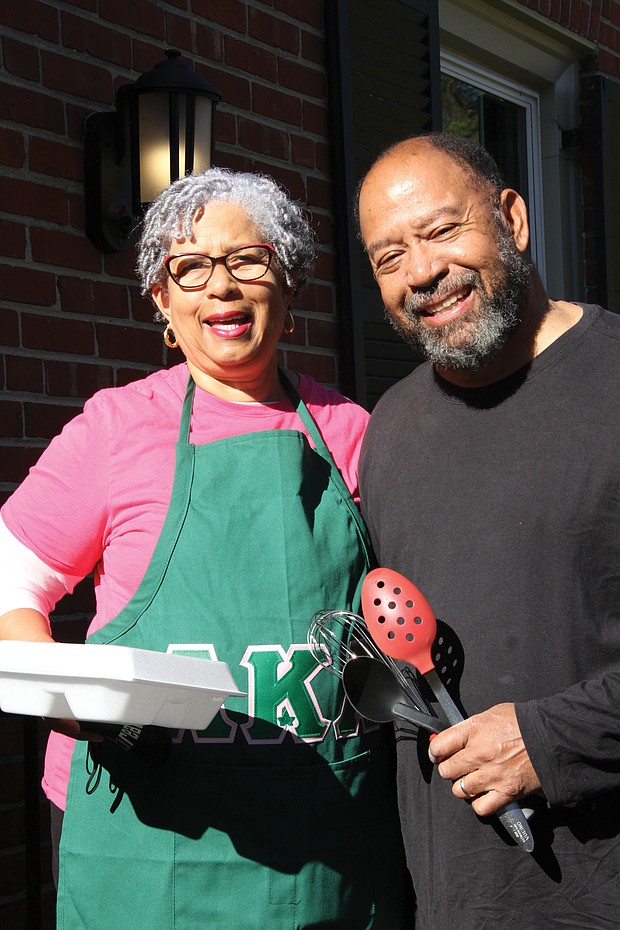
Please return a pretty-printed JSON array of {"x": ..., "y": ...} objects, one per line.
[{"x": 280, "y": 814}]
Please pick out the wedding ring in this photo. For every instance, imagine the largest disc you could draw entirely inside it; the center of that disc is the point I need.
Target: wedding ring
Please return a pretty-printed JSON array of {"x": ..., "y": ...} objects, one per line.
[{"x": 464, "y": 789}]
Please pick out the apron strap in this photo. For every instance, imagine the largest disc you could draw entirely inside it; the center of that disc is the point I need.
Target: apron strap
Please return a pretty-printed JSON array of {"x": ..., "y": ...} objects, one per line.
[
  {"x": 186, "y": 413},
  {"x": 313, "y": 431}
]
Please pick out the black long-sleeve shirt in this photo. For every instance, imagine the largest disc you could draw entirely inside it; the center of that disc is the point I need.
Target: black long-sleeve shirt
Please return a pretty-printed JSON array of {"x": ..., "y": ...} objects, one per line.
[{"x": 503, "y": 505}]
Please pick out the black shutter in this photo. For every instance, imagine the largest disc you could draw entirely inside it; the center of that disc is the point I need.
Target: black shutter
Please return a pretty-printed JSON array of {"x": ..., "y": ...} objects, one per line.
[
  {"x": 607, "y": 192},
  {"x": 384, "y": 86}
]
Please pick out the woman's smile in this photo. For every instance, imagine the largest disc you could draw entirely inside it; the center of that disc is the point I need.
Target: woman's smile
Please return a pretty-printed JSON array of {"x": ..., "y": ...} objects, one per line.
[{"x": 232, "y": 324}]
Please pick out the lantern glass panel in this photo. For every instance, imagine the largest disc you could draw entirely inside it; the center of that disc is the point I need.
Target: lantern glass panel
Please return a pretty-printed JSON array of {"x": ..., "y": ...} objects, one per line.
[
  {"x": 202, "y": 140},
  {"x": 153, "y": 122}
]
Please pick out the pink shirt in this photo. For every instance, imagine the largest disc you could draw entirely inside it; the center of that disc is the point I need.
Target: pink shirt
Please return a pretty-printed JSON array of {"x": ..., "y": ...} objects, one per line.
[{"x": 97, "y": 498}]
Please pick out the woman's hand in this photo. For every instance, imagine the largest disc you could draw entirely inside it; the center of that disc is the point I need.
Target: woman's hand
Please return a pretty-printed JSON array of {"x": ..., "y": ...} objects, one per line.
[{"x": 30, "y": 626}]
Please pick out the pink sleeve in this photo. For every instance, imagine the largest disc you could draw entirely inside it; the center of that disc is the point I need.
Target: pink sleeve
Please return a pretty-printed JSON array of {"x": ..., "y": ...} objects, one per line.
[{"x": 59, "y": 511}]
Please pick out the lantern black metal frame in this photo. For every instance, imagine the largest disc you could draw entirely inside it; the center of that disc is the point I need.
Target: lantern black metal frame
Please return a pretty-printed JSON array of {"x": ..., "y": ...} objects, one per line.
[{"x": 112, "y": 150}]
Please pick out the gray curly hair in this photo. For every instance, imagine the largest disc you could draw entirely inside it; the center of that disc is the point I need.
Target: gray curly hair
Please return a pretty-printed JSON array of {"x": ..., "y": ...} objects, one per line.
[{"x": 280, "y": 220}]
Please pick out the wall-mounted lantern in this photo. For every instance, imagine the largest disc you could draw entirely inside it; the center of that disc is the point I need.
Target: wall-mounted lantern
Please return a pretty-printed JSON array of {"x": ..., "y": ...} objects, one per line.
[{"x": 162, "y": 130}]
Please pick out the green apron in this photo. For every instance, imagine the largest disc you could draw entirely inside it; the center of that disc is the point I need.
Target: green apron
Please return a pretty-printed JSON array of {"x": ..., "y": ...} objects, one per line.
[{"x": 281, "y": 814}]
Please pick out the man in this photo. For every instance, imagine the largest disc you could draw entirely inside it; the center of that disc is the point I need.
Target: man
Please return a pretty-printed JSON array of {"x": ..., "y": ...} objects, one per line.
[{"x": 490, "y": 477}]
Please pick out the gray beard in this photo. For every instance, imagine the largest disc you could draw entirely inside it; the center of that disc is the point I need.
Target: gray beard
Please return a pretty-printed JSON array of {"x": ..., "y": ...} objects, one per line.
[{"x": 459, "y": 346}]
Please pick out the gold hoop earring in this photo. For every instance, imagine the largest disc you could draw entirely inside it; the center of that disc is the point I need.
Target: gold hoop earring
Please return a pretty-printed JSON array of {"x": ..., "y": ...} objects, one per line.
[
  {"x": 171, "y": 343},
  {"x": 290, "y": 327}
]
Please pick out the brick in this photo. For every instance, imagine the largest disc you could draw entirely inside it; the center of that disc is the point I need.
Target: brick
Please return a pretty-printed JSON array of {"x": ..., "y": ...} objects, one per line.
[
  {"x": 88, "y": 5},
  {"x": 291, "y": 180},
  {"x": 271, "y": 30},
  {"x": 11, "y": 419},
  {"x": 27, "y": 285},
  {"x": 146, "y": 18},
  {"x": 44, "y": 421},
  {"x": 33, "y": 18},
  {"x": 309, "y": 81},
  {"x": 313, "y": 47},
  {"x": 298, "y": 336},
  {"x": 302, "y": 151},
  {"x": 66, "y": 74},
  {"x": 225, "y": 130},
  {"x": 319, "y": 298},
  {"x": 72, "y": 379},
  {"x": 257, "y": 137},
  {"x": 31, "y": 108},
  {"x": 12, "y": 148},
  {"x": 12, "y": 239},
  {"x": 235, "y": 89},
  {"x": 320, "y": 193},
  {"x": 320, "y": 367},
  {"x": 315, "y": 119},
  {"x": 179, "y": 32},
  {"x": 229, "y": 13},
  {"x": 76, "y": 116},
  {"x": 145, "y": 55},
  {"x": 21, "y": 59},
  {"x": 129, "y": 344},
  {"x": 56, "y": 334},
  {"x": 16, "y": 460},
  {"x": 53, "y": 247},
  {"x": 24, "y": 373},
  {"x": 121, "y": 265},
  {"x": 79, "y": 295},
  {"x": 277, "y": 105},
  {"x": 323, "y": 156},
  {"x": 209, "y": 44},
  {"x": 323, "y": 228},
  {"x": 9, "y": 327},
  {"x": 85, "y": 35},
  {"x": 309, "y": 12},
  {"x": 323, "y": 334},
  {"x": 250, "y": 58},
  {"x": 325, "y": 269},
  {"x": 142, "y": 308},
  {"x": 129, "y": 375},
  {"x": 27, "y": 198}
]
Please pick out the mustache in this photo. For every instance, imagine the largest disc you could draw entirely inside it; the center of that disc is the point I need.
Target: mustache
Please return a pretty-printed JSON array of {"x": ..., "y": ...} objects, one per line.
[{"x": 420, "y": 300}]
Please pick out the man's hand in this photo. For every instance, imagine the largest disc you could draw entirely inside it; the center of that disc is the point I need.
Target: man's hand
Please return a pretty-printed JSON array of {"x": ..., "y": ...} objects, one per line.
[{"x": 485, "y": 758}]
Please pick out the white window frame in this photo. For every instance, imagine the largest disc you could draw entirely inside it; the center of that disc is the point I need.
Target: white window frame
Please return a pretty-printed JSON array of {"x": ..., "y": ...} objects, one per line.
[{"x": 529, "y": 100}]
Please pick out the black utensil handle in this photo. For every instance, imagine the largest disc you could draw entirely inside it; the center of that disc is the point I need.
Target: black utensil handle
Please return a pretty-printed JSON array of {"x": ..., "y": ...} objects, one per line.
[
  {"x": 432, "y": 724},
  {"x": 150, "y": 743},
  {"x": 515, "y": 823}
]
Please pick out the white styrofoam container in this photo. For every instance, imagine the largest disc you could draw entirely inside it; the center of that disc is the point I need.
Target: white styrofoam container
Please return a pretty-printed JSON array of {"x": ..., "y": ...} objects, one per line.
[{"x": 112, "y": 684}]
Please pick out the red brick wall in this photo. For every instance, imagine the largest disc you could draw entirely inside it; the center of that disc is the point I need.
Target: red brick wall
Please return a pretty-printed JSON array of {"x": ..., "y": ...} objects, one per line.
[{"x": 71, "y": 318}]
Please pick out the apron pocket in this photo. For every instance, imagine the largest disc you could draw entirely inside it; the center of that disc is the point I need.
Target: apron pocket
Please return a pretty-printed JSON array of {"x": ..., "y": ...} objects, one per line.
[{"x": 286, "y": 848}]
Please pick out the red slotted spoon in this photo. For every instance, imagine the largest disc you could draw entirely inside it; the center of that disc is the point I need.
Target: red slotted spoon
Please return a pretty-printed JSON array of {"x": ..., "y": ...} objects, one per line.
[{"x": 403, "y": 625}]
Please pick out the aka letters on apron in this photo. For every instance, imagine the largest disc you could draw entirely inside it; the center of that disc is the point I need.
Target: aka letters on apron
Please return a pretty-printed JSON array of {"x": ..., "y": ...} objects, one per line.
[{"x": 281, "y": 815}]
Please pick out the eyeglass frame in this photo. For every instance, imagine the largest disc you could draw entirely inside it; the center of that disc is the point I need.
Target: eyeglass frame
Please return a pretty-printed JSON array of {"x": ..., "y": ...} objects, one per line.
[{"x": 218, "y": 260}]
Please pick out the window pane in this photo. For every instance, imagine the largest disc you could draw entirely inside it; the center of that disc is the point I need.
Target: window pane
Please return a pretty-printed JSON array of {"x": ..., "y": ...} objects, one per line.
[{"x": 496, "y": 123}]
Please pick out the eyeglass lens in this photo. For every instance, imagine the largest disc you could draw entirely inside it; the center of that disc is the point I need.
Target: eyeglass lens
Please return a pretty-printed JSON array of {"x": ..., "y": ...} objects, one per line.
[{"x": 246, "y": 264}]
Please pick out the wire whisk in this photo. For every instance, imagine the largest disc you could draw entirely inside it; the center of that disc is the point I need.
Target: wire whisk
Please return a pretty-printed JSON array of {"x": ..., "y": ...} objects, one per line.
[{"x": 337, "y": 636}]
